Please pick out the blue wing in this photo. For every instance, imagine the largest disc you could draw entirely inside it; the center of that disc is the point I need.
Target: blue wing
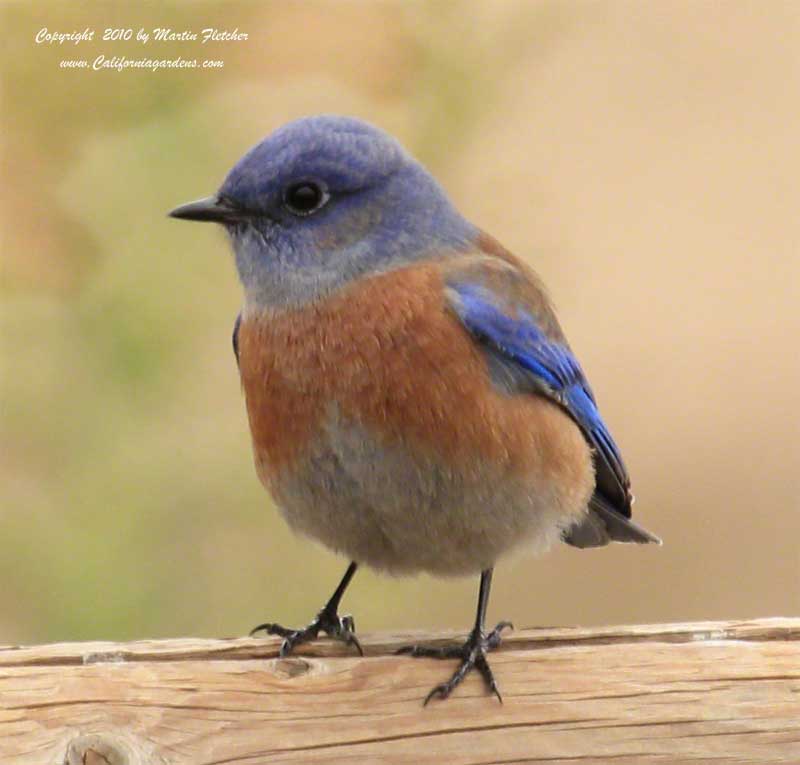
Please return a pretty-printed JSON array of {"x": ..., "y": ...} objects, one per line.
[
  {"x": 511, "y": 319},
  {"x": 548, "y": 367}
]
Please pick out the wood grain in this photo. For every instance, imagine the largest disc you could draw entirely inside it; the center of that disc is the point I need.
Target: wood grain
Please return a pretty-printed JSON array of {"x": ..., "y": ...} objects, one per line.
[{"x": 711, "y": 692}]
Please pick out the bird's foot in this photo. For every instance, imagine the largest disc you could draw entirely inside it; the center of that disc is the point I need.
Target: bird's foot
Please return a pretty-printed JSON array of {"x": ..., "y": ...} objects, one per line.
[
  {"x": 328, "y": 621},
  {"x": 472, "y": 655}
]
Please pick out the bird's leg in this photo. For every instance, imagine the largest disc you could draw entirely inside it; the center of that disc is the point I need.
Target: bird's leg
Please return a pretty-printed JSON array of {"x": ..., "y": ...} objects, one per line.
[
  {"x": 472, "y": 653},
  {"x": 327, "y": 620}
]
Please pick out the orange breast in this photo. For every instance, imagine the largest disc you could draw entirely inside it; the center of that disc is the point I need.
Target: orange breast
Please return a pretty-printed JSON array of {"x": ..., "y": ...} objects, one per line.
[{"x": 391, "y": 358}]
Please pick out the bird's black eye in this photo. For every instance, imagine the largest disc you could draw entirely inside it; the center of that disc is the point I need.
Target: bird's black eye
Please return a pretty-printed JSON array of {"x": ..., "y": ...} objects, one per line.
[{"x": 304, "y": 198}]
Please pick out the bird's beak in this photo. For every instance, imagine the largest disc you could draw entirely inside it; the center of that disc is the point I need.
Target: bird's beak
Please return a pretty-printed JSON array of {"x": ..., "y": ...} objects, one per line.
[{"x": 209, "y": 209}]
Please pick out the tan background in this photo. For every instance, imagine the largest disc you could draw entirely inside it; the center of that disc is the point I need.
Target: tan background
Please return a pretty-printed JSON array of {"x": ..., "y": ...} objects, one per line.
[{"x": 643, "y": 156}]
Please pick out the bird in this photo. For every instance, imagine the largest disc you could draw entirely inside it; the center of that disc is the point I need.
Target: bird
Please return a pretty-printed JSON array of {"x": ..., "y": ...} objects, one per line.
[{"x": 413, "y": 402}]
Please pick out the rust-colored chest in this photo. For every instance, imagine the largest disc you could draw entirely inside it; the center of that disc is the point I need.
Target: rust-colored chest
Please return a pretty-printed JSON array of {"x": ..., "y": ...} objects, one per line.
[
  {"x": 387, "y": 356},
  {"x": 384, "y": 353}
]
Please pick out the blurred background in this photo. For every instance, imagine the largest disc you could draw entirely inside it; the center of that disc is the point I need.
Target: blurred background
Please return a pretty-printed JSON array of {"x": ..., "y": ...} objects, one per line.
[{"x": 644, "y": 157}]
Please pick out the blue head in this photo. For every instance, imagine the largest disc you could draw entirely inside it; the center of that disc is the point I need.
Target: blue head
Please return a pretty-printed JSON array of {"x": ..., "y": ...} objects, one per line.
[{"x": 325, "y": 200}]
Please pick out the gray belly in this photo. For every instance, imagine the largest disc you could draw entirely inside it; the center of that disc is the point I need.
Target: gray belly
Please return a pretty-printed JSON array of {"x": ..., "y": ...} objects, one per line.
[{"x": 402, "y": 511}]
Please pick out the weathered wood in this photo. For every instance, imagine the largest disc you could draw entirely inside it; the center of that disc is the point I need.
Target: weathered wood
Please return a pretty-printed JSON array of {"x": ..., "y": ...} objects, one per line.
[{"x": 722, "y": 692}]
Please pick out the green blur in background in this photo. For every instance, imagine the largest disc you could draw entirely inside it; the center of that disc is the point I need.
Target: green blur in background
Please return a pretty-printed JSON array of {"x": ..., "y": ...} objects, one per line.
[{"x": 642, "y": 157}]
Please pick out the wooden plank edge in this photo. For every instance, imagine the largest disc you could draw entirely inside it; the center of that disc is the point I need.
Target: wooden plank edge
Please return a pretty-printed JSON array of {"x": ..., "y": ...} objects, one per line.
[{"x": 383, "y": 644}]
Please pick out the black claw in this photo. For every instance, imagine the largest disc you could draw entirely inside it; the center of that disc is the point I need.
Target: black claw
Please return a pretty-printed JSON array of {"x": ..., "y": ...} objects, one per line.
[
  {"x": 473, "y": 656},
  {"x": 335, "y": 626},
  {"x": 442, "y": 691},
  {"x": 351, "y": 639},
  {"x": 488, "y": 676},
  {"x": 272, "y": 629},
  {"x": 327, "y": 620},
  {"x": 496, "y": 635}
]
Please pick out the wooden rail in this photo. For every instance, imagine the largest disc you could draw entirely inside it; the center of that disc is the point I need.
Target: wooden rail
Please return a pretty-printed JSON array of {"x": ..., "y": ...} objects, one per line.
[{"x": 712, "y": 692}]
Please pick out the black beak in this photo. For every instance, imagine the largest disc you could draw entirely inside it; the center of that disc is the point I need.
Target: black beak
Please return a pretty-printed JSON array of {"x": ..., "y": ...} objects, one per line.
[{"x": 209, "y": 209}]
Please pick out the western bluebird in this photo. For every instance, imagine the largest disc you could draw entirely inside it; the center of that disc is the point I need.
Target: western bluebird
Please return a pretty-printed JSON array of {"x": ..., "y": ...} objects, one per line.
[{"x": 412, "y": 400}]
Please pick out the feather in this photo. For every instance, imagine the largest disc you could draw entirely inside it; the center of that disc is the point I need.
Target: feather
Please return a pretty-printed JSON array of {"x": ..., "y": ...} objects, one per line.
[{"x": 506, "y": 312}]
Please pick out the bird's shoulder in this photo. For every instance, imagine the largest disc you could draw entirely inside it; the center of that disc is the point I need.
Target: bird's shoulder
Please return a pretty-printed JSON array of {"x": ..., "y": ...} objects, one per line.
[{"x": 506, "y": 280}]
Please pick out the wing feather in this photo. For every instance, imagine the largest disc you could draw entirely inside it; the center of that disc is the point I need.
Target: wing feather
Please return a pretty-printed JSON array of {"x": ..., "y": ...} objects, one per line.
[{"x": 504, "y": 308}]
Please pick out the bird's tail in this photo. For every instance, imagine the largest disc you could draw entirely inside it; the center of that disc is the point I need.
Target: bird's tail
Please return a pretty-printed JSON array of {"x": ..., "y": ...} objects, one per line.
[{"x": 604, "y": 524}]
